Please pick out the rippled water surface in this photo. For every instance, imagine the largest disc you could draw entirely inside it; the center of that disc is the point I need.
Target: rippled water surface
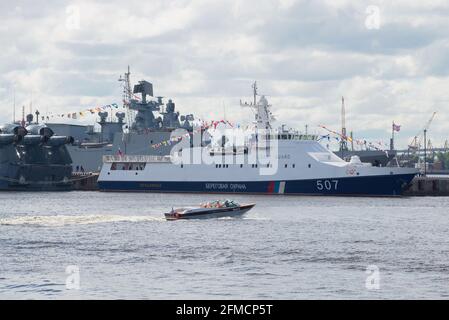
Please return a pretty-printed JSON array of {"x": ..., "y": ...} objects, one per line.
[{"x": 287, "y": 247}]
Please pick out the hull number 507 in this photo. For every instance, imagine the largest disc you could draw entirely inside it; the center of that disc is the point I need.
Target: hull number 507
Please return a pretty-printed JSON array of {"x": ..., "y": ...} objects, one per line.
[{"x": 326, "y": 185}]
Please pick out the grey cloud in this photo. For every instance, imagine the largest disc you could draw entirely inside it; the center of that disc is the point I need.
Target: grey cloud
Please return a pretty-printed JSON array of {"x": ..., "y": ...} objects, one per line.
[
  {"x": 305, "y": 56},
  {"x": 313, "y": 25}
]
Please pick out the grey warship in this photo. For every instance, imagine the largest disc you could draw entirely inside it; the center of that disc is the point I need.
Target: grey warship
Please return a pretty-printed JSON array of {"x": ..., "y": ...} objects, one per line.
[
  {"x": 33, "y": 158},
  {"x": 150, "y": 121}
]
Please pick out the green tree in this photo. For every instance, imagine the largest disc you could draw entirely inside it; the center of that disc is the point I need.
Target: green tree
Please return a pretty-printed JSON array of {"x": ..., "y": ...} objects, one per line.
[{"x": 444, "y": 158}]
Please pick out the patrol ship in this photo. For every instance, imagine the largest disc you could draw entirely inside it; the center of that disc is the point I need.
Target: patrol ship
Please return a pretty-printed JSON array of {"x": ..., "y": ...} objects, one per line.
[{"x": 268, "y": 162}]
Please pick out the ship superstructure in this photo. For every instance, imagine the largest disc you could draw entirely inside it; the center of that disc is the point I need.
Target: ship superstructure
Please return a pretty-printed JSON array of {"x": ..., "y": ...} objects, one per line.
[{"x": 148, "y": 121}]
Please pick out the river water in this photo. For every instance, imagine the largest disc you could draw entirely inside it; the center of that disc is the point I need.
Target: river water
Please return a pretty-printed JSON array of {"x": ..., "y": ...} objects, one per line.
[{"x": 118, "y": 246}]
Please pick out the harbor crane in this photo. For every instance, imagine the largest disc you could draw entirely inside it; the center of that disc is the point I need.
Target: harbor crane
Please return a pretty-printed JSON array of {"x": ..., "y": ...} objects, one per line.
[{"x": 416, "y": 142}]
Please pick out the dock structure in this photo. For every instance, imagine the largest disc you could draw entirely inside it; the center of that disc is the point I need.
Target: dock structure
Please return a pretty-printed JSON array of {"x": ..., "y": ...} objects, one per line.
[
  {"x": 429, "y": 186},
  {"x": 85, "y": 181}
]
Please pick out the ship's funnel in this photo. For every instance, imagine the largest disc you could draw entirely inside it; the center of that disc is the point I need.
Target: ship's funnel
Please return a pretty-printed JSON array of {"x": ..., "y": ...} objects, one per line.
[
  {"x": 56, "y": 141},
  {"x": 12, "y": 128}
]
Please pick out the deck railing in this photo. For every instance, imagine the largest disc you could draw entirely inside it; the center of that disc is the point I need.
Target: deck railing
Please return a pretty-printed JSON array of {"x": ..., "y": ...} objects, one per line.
[{"x": 135, "y": 158}]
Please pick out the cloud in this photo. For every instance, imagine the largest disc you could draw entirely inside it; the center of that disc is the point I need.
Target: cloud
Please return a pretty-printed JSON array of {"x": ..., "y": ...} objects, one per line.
[{"x": 205, "y": 55}]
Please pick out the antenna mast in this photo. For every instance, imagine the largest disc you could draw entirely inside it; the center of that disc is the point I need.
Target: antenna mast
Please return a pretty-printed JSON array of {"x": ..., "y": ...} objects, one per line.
[
  {"x": 14, "y": 106},
  {"x": 127, "y": 95},
  {"x": 23, "y": 116},
  {"x": 263, "y": 115},
  {"x": 255, "y": 92},
  {"x": 343, "y": 125}
]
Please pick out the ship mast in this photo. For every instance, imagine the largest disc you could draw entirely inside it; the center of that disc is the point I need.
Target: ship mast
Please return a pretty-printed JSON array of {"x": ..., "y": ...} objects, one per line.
[
  {"x": 263, "y": 115},
  {"x": 254, "y": 86},
  {"x": 343, "y": 145},
  {"x": 127, "y": 94},
  {"x": 14, "y": 106},
  {"x": 23, "y": 116}
]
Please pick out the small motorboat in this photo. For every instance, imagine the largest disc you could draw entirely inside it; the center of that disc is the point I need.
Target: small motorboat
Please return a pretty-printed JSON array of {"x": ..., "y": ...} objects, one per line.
[{"x": 214, "y": 209}]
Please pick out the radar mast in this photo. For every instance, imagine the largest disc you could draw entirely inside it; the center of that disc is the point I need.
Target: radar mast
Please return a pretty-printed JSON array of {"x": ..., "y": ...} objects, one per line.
[{"x": 263, "y": 115}]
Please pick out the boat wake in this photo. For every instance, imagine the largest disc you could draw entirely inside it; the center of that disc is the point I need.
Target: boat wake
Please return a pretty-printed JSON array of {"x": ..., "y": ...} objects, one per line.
[{"x": 65, "y": 220}]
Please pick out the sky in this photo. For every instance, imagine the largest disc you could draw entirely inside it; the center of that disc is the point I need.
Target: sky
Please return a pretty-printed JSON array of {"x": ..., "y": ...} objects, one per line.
[{"x": 389, "y": 59}]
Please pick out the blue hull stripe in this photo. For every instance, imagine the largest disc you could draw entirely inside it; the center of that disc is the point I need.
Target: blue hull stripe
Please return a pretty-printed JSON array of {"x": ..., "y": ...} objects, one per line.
[{"x": 386, "y": 185}]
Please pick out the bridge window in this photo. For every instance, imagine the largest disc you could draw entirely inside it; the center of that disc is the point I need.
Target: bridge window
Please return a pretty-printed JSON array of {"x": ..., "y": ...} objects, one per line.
[{"x": 128, "y": 166}]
